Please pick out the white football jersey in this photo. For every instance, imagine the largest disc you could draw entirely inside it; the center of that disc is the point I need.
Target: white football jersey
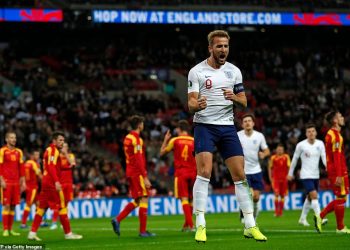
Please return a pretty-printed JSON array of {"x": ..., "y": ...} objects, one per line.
[
  {"x": 251, "y": 146},
  {"x": 209, "y": 82},
  {"x": 310, "y": 155}
]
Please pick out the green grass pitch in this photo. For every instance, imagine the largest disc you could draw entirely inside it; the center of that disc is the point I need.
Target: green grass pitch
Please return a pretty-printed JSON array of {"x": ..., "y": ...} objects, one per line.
[{"x": 223, "y": 231}]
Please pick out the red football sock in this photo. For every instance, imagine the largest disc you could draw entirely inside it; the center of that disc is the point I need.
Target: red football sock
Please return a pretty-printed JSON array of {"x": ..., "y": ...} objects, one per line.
[
  {"x": 143, "y": 217},
  {"x": 187, "y": 212},
  {"x": 339, "y": 211},
  {"x": 281, "y": 206},
  {"x": 65, "y": 223},
  {"x": 5, "y": 220},
  {"x": 36, "y": 222},
  {"x": 54, "y": 215},
  {"x": 11, "y": 219},
  {"x": 277, "y": 204},
  {"x": 329, "y": 208},
  {"x": 126, "y": 211},
  {"x": 25, "y": 215}
]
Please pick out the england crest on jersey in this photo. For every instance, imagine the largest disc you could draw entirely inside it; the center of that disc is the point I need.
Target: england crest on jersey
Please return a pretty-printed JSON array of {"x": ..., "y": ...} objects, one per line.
[{"x": 228, "y": 74}]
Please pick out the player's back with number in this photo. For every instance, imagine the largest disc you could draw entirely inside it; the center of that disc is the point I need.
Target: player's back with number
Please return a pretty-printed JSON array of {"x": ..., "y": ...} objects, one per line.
[{"x": 183, "y": 147}]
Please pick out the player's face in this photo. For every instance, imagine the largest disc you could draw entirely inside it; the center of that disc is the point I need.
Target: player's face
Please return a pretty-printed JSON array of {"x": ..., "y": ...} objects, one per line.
[
  {"x": 279, "y": 150},
  {"x": 219, "y": 50},
  {"x": 247, "y": 123},
  {"x": 311, "y": 133},
  {"x": 11, "y": 139},
  {"x": 340, "y": 119},
  {"x": 36, "y": 155},
  {"x": 65, "y": 146},
  {"x": 59, "y": 142},
  {"x": 141, "y": 126}
]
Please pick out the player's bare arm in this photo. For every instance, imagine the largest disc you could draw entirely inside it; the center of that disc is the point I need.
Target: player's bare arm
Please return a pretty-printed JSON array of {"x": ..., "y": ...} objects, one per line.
[
  {"x": 22, "y": 182},
  {"x": 58, "y": 186},
  {"x": 239, "y": 99},
  {"x": 2, "y": 182},
  {"x": 147, "y": 182},
  {"x": 167, "y": 137},
  {"x": 196, "y": 104},
  {"x": 263, "y": 154}
]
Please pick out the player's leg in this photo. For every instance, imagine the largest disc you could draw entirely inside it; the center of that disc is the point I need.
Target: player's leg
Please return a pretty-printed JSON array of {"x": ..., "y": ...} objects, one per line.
[
  {"x": 276, "y": 201},
  {"x": 40, "y": 211},
  {"x": 30, "y": 198},
  {"x": 313, "y": 187},
  {"x": 5, "y": 201},
  {"x": 235, "y": 165},
  {"x": 200, "y": 192},
  {"x": 183, "y": 194},
  {"x": 15, "y": 199},
  {"x": 283, "y": 193},
  {"x": 143, "y": 211},
  {"x": 339, "y": 207},
  {"x": 256, "y": 198},
  {"x": 59, "y": 203}
]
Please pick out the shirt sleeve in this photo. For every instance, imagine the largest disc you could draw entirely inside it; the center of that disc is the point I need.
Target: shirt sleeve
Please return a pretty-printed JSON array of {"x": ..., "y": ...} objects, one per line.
[
  {"x": 337, "y": 151},
  {"x": 323, "y": 155},
  {"x": 21, "y": 163},
  {"x": 36, "y": 168},
  {"x": 295, "y": 159},
  {"x": 53, "y": 155},
  {"x": 144, "y": 165},
  {"x": 193, "y": 82},
  {"x": 1, "y": 160},
  {"x": 170, "y": 145},
  {"x": 263, "y": 144}
]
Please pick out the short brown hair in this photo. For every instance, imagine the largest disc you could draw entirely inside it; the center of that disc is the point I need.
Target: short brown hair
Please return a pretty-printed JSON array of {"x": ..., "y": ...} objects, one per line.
[
  {"x": 56, "y": 134},
  {"x": 329, "y": 117},
  {"x": 310, "y": 125},
  {"x": 248, "y": 115},
  {"x": 135, "y": 121},
  {"x": 183, "y": 125},
  {"x": 217, "y": 33}
]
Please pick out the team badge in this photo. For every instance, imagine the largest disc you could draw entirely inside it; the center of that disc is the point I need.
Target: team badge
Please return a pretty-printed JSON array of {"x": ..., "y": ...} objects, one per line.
[{"x": 228, "y": 74}]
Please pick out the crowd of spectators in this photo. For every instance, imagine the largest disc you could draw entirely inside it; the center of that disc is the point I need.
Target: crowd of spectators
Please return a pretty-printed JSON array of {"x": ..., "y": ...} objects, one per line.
[{"x": 90, "y": 92}]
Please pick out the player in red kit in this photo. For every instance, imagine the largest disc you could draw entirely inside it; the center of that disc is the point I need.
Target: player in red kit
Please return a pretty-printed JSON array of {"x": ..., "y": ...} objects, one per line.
[
  {"x": 66, "y": 180},
  {"x": 136, "y": 174},
  {"x": 278, "y": 171},
  {"x": 51, "y": 195},
  {"x": 32, "y": 175},
  {"x": 185, "y": 168},
  {"x": 337, "y": 170},
  {"x": 11, "y": 181}
]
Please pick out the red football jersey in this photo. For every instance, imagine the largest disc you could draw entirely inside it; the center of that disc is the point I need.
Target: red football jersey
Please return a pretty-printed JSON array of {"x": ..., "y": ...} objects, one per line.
[
  {"x": 52, "y": 166},
  {"x": 279, "y": 165},
  {"x": 66, "y": 169},
  {"x": 184, "y": 161},
  {"x": 135, "y": 155},
  {"x": 31, "y": 171},
  {"x": 336, "y": 163},
  {"x": 11, "y": 164}
]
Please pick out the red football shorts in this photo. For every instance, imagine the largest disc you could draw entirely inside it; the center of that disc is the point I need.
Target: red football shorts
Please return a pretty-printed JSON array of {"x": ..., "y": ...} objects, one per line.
[
  {"x": 31, "y": 195},
  {"x": 10, "y": 195},
  {"x": 183, "y": 185},
  {"x": 280, "y": 187},
  {"x": 67, "y": 192},
  {"x": 50, "y": 198},
  {"x": 137, "y": 186},
  {"x": 343, "y": 189}
]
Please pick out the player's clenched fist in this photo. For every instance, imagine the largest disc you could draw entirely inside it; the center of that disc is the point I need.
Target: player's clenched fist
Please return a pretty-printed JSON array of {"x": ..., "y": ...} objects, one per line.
[{"x": 202, "y": 102}]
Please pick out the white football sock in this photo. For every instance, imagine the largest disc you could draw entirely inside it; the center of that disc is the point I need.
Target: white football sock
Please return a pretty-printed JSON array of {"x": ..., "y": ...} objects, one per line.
[
  {"x": 245, "y": 202},
  {"x": 200, "y": 196},
  {"x": 306, "y": 209},
  {"x": 316, "y": 207}
]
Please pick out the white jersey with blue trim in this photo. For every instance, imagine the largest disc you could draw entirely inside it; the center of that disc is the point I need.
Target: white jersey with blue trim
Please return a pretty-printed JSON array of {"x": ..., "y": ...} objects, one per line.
[
  {"x": 310, "y": 155},
  {"x": 251, "y": 145},
  {"x": 209, "y": 82}
]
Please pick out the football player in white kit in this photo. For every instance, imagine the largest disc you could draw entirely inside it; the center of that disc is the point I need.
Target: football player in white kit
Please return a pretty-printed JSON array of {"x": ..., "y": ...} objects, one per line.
[
  {"x": 214, "y": 87},
  {"x": 310, "y": 151},
  {"x": 254, "y": 148}
]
